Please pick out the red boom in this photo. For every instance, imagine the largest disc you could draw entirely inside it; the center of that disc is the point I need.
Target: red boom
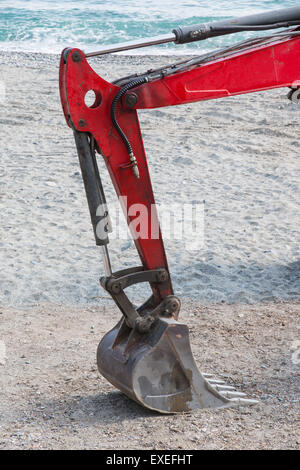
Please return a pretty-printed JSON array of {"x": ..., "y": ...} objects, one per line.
[{"x": 260, "y": 68}]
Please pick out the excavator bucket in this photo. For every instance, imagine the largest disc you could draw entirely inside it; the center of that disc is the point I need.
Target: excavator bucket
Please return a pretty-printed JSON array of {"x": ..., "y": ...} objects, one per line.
[{"x": 158, "y": 371}]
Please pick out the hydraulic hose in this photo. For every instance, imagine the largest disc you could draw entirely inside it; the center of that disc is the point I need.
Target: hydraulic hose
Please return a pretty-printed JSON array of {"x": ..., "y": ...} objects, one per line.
[{"x": 121, "y": 92}]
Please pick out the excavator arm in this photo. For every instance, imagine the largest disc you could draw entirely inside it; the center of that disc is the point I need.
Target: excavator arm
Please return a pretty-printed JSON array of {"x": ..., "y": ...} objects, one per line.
[{"x": 148, "y": 355}]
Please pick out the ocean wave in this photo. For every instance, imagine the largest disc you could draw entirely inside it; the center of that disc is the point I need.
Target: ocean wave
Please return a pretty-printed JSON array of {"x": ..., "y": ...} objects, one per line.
[{"x": 49, "y": 26}]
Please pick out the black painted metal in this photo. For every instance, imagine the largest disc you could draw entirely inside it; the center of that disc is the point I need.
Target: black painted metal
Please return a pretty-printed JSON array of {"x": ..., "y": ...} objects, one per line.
[
  {"x": 273, "y": 19},
  {"x": 93, "y": 186}
]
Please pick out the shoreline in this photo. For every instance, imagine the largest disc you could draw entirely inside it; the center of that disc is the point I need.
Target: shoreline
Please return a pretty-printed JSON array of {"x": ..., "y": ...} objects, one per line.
[{"x": 7, "y": 56}]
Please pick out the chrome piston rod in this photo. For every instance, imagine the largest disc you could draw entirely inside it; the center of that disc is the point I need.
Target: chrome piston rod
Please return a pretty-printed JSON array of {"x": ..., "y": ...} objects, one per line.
[{"x": 125, "y": 46}]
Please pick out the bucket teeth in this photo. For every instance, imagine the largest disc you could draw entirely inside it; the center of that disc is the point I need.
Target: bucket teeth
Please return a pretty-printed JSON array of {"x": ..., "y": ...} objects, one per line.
[
  {"x": 224, "y": 388},
  {"x": 244, "y": 401},
  {"x": 216, "y": 382},
  {"x": 229, "y": 392}
]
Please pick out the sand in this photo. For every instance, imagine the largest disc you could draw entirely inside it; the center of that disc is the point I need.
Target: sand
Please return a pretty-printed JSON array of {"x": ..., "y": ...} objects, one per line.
[
  {"x": 239, "y": 158},
  {"x": 239, "y": 155},
  {"x": 52, "y": 396}
]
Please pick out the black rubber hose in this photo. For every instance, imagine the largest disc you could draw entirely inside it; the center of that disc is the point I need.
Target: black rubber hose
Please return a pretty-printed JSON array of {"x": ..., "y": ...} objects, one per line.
[{"x": 128, "y": 86}]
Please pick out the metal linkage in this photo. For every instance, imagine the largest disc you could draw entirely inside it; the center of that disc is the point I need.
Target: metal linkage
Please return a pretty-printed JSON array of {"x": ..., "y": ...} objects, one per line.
[{"x": 140, "y": 319}]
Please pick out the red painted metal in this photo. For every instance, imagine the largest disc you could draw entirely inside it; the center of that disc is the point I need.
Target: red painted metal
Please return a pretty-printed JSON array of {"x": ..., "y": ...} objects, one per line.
[
  {"x": 76, "y": 79},
  {"x": 261, "y": 68}
]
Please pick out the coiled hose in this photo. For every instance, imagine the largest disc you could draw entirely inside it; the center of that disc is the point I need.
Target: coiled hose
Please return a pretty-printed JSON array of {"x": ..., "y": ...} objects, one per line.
[{"x": 128, "y": 86}]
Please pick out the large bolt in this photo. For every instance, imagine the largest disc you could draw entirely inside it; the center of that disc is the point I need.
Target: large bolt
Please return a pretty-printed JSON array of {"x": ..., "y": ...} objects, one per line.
[
  {"x": 115, "y": 287},
  {"x": 131, "y": 100},
  {"x": 172, "y": 305},
  {"x": 162, "y": 276},
  {"x": 175, "y": 304},
  {"x": 76, "y": 56}
]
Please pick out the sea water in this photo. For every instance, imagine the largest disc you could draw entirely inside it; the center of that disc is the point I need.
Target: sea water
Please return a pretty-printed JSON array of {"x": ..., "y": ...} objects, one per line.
[{"x": 48, "y": 26}]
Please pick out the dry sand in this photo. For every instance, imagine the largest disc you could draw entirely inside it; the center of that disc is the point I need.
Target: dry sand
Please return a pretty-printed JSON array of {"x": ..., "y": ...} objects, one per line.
[
  {"x": 241, "y": 290},
  {"x": 240, "y": 155},
  {"x": 52, "y": 396}
]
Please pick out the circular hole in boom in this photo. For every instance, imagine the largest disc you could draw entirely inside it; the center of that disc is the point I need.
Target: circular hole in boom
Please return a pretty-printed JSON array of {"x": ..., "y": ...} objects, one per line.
[{"x": 92, "y": 99}]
